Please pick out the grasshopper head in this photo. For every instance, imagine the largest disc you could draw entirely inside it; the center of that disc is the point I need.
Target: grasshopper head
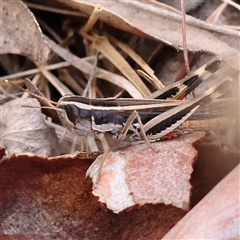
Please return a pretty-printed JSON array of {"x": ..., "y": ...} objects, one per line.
[{"x": 75, "y": 116}]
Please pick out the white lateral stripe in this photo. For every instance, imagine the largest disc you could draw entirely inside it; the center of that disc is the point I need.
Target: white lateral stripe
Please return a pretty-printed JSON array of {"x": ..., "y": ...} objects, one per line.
[
  {"x": 119, "y": 108},
  {"x": 78, "y": 104}
]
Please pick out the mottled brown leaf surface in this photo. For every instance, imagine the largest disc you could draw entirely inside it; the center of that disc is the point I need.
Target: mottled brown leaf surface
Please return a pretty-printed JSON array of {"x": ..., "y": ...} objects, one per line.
[
  {"x": 47, "y": 198},
  {"x": 20, "y": 32},
  {"x": 142, "y": 174}
]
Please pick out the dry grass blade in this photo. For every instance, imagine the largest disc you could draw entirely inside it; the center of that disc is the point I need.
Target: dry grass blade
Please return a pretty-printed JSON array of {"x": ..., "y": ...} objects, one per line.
[
  {"x": 86, "y": 67},
  {"x": 62, "y": 89},
  {"x": 67, "y": 79},
  {"x": 92, "y": 19},
  {"x": 36, "y": 70},
  {"x": 104, "y": 46},
  {"x": 213, "y": 18},
  {"x": 154, "y": 80},
  {"x": 232, "y": 3},
  {"x": 101, "y": 44},
  {"x": 91, "y": 80}
]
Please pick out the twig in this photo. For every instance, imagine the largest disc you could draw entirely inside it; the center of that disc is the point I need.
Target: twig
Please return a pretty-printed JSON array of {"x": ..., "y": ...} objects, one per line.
[
  {"x": 62, "y": 89},
  {"x": 34, "y": 71},
  {"x": 49, "y": 67},
  {"x": 185, "y": 53},
  {"x": 193, "y": 57}
]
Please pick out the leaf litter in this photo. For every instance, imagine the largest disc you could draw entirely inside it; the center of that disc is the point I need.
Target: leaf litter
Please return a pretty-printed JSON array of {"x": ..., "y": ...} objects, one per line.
[
  {"x": 165, "y": 25},
  {"x": 23, "y": 34},
  {"x": 112, "y": 77},
  {"x": 23, "y": 129}
]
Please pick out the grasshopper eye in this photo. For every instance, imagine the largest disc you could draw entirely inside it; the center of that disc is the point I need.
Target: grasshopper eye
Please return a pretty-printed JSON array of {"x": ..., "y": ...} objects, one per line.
[{"x": 73, "y": 112}]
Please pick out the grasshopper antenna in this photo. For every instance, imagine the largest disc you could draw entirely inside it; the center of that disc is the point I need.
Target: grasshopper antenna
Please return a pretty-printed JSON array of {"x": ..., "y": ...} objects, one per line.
[{"x": 34, "y": 91}]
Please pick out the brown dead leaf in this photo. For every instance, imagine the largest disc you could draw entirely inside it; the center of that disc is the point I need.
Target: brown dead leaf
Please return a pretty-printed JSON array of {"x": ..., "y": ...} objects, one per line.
[
  {"x": 140, "y": 175},
  {"x": 23, "y": 129},
  {"x": 50, "y": 198},
  {"x": 152, "y": 19},
  {"x": 20, "y": 32},
  {"x": 219, "y": 210}
]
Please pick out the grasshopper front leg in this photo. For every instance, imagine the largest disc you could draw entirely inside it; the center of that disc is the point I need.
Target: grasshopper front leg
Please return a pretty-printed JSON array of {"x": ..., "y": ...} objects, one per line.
[{"x": 106, "y": 150}]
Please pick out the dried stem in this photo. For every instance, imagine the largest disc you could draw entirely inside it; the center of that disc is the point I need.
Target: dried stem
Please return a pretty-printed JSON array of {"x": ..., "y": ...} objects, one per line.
[{"x": 185, "y": 53}]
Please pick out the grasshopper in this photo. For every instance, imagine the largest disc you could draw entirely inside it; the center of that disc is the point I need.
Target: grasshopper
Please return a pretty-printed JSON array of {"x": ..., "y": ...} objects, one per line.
[
  {"x": 143, "y": 120},
  {"x": 135, "y": 119},
  {"x": 131, "y": 119}
]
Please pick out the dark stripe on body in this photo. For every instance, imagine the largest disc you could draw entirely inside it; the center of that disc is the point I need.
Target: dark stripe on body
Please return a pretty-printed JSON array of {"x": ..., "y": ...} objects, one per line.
[
  {"x": 217, "y": 108},
  {"x": 169, "y": 121},
  {"x": 184, "y": 109}
]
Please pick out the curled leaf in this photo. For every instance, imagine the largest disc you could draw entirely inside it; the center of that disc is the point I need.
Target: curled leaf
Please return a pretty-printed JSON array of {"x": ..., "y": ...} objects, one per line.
[
  {"x": 23, "y": 129},
  {"x": 20, "y": 32}
]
